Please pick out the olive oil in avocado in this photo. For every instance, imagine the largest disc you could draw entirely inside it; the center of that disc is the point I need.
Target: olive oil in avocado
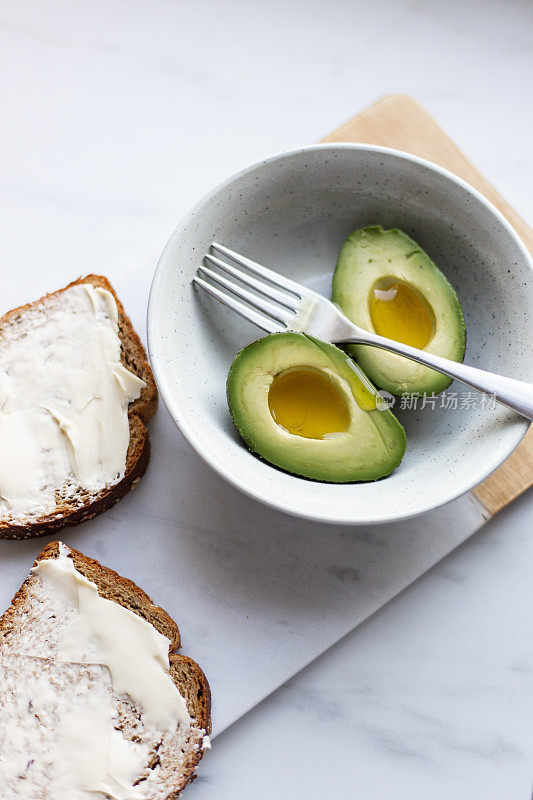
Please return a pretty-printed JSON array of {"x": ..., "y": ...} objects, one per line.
[
  {"x": 398, "y": 311},
  {"x": 305, "y": 403}
]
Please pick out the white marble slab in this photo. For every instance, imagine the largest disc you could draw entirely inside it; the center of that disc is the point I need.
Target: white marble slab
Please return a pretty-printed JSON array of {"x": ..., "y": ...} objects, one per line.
[{"x": 431, "y": 698}]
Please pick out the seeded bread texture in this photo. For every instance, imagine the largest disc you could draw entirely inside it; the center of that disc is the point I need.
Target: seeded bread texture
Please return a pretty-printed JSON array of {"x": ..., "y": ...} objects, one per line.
[
  {"x": 30, "y": 632},
  {"x": 74, "y": 504}
]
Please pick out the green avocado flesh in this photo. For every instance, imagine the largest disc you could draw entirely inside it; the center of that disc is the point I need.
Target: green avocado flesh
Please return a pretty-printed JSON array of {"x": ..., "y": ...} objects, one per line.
[
  {"x": 385, "y": 283},
  {"x": 306, "y": 407}
]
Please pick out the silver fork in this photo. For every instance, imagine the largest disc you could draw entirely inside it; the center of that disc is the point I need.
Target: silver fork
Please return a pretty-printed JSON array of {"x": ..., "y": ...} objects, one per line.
[{"x": 278, "y": 304}]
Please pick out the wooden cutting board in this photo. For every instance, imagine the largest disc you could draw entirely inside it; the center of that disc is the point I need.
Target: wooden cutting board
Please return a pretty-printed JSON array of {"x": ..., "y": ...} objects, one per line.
[{"x": 399, "y": 121}]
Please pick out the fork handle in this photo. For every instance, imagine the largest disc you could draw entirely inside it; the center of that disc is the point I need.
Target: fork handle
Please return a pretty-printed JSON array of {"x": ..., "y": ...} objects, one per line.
[{"x": 517, "y": 395}]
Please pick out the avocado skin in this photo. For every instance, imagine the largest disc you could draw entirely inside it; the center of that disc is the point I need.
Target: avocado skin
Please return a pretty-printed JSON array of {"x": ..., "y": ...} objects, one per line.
[
  {"x": 372, "y": 451},
  {"x": 363, "y": 258}
]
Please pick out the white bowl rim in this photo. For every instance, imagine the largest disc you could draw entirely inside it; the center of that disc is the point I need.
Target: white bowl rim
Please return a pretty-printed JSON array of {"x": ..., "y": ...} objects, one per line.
[{"x": 188, "y": 431}]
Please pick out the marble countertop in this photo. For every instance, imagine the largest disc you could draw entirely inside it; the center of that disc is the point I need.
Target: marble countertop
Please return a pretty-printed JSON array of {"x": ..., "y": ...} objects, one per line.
[
  {"x": 430, "y": 698},
  {"x": 117, "y": 116}
]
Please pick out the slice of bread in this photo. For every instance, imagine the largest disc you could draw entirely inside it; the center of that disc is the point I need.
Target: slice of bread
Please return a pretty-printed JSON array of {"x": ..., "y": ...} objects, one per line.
[
  {"x": 35, "y": 687},
  {"x": 75, "y": 504}
]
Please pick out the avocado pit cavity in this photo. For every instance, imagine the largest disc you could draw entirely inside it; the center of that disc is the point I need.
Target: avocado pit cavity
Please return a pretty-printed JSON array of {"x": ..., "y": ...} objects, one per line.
[
  {"x": 400, "y": 312},
  {"x": 306, "y": 403}
]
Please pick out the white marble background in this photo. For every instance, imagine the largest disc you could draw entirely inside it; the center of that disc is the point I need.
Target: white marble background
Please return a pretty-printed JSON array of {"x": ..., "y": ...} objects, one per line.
[{"x": 116, "y": 117}]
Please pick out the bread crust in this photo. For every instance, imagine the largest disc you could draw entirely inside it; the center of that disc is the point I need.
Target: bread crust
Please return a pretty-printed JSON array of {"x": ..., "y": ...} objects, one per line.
[
  {"x": 133, "y": 357},
  {"x": 186, "y": 673}
]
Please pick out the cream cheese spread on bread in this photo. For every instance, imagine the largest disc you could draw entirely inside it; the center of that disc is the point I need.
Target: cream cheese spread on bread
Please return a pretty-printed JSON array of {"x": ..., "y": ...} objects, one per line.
[
  {"x": 104, "y": 632},
  {"x": 64, "y": 397},
  {"x": 97, "y": 761}
]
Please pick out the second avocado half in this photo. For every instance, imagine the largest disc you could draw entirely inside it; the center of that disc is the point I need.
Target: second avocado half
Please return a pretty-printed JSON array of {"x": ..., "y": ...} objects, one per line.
[
  {"x": 306, "y": 407},
  {"x": 384, "y": 282}
]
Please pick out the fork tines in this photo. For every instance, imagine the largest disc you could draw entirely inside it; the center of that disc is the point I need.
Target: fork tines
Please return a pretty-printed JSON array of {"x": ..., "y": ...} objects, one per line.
[{"x": 275, "y": 316}]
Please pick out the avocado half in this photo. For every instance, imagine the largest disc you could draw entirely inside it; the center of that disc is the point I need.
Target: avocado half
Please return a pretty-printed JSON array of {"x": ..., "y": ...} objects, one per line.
[
  {"x": 373, "y": 443},
  {"x": 371, "y": 255}
]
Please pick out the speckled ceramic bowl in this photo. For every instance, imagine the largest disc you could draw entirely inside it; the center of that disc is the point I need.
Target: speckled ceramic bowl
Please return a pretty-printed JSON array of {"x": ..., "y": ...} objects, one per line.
[{"x": 293, "y": 212}]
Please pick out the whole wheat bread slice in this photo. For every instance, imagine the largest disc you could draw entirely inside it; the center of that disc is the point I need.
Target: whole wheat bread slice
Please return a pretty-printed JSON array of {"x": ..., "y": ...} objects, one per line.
[
  {"x": 29, "y": 636},
  {"x": 84, "y": 505}
]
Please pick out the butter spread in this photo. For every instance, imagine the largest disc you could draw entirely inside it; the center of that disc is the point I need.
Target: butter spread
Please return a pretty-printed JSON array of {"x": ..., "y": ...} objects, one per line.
[
  {"x": 101, "y": 762},
  {"x": 104, "y": 632},
  {"x": 67, "y": 746},
  {"x": 64, "y": 397},
  {"x": 92, "y": 758}
]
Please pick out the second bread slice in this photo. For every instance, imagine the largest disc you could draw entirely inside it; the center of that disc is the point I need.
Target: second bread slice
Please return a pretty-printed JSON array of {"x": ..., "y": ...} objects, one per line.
[{"x": 50, "y": 704}]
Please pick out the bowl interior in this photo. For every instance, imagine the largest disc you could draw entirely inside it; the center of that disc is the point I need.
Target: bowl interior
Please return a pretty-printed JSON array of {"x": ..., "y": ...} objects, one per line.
[{"x": 292, "y": 213}]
